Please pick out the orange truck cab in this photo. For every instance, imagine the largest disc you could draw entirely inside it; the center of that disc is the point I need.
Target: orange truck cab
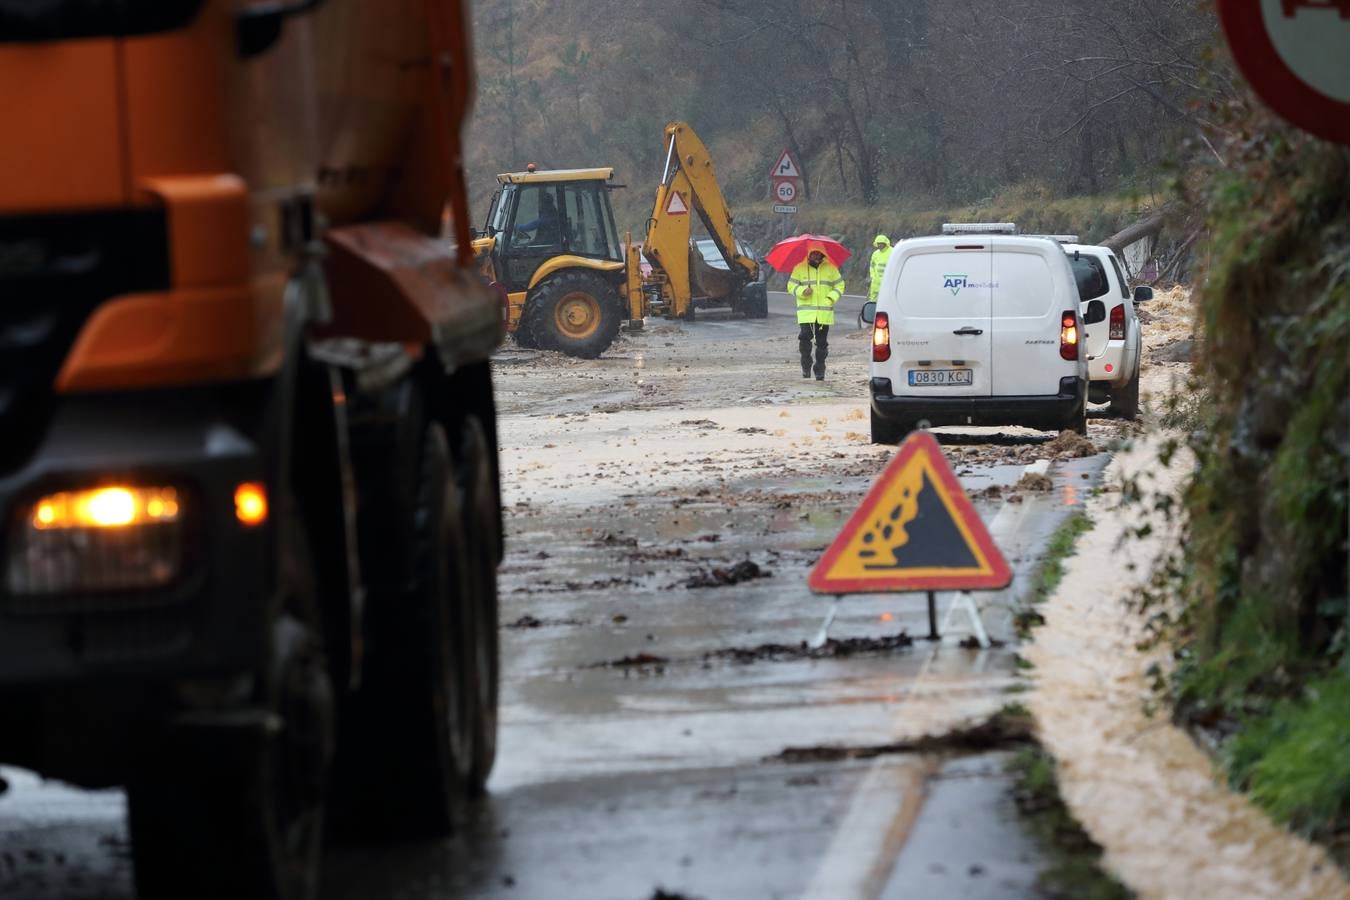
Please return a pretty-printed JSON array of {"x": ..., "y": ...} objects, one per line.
[{"x": 249, "y": 508}]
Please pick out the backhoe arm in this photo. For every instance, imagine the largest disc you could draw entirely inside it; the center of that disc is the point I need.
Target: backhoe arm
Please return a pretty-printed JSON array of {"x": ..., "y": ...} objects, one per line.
[{"x": 689, "y": 173}]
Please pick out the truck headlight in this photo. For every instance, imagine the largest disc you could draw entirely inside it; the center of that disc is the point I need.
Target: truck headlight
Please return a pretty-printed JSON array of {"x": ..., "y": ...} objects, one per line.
[{"x": 115, "y": 537}]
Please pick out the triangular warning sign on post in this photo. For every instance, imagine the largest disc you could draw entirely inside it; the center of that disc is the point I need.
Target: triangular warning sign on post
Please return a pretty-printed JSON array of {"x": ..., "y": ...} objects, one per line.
[
  {"x": 676, "y": 205},
  {"x": 915, "y": 531},
  {"x": 786, "y": 167}
]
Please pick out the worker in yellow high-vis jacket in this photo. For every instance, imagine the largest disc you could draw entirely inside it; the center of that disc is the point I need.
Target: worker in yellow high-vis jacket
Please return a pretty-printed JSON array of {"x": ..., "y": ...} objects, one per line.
[
  {"x": 876, "y": 266},
  {"x": 816, "y": 285}
]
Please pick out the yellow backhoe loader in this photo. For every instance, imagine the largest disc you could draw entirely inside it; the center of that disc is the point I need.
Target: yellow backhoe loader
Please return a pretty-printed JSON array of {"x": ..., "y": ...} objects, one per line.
[{"x": 551, "y": 246}]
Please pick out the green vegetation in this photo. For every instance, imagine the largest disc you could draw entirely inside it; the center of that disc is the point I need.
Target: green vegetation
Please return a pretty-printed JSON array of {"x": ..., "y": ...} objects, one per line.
[
  {"x": 1075, "y": 859},
  {"x": 1059, "y": 548},
  {"x": 1255, "y": 600},
  {"x": 1295, "y": 760}
]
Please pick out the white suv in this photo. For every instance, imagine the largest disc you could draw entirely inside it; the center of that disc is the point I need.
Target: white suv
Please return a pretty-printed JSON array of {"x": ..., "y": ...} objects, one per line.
[
  {"x": 977, "y": 327},
  {"x": 1112, "y": 339}
]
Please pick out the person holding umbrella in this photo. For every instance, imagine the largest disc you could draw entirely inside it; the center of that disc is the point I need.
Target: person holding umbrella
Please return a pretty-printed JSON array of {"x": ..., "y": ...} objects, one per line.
[{"x": 816, "y": 285}]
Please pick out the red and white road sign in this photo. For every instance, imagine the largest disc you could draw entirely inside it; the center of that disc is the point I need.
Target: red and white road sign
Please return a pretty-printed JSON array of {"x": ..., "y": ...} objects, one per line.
[
  {"x": 676, "y": 204},
  {"x": 786, "y": 167},
  {"x": 785, "y": 191},
  {"x": 1296, "y": 54}
]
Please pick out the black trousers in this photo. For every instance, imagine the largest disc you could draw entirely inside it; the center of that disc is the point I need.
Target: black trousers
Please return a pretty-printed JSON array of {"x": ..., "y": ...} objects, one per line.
[{"x": 821, "y": 333}]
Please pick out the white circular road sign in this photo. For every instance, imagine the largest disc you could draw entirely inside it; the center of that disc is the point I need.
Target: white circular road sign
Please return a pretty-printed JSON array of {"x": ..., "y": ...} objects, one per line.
[
  {"x": 1296, "y": 54},
  {"x": 785, "y": 191}
]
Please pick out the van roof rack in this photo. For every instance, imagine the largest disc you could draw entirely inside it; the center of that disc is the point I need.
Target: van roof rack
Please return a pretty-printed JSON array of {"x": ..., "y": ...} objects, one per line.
[
  {"x": 979, "y": 228},
  {"x": 1064, "y": 238}
]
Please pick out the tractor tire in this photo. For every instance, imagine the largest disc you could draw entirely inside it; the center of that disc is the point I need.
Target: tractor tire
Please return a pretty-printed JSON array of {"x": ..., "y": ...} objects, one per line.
[
  {"x": 223, "y": 812},
  {"x": 888, "y": 431},
  {"x": 479, "y": 620},
  {"x": 524, "y": 333},
  {"x": 1125, "y": 401},
  {"x": 576, "y": 313},
  {"x": 755, "y": 301}
]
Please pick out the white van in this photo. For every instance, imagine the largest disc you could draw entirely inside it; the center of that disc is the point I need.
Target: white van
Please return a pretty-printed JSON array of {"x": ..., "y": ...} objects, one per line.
[{"x": 977, "y": 328}]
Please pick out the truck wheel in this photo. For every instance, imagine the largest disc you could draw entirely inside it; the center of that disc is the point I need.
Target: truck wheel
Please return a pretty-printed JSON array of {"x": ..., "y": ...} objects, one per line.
[
  {"x": 478, "y": 500},
  {"x": 888, "y": 431},
  {"x": 1125, "y": 400},
  {"x": 419, "y": 675},
  {"x": 755, "y": 301},
  {"x": 577, "y": 313},
  {"x": 234, "y": 807}
]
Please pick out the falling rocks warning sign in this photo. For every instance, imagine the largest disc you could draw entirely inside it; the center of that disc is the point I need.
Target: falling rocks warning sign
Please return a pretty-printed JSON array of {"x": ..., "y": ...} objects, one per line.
[{"x": 915, "y": 531}]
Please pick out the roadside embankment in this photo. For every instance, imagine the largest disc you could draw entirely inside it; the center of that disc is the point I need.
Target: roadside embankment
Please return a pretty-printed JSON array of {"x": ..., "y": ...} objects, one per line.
[{"x": 1137, "y": 783}]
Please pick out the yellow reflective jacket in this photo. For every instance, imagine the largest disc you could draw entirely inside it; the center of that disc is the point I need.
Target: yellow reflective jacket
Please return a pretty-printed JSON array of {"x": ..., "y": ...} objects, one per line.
[
  {"x": 816, "y": 308},
  {"x": 877, "y": 267}
]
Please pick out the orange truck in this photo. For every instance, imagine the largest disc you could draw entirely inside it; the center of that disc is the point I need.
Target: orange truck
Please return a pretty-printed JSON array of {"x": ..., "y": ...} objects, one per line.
[{"x": 249, "y": 505}]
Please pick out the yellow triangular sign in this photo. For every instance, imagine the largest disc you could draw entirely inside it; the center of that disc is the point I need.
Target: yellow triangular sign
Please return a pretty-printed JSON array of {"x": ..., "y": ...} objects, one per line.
[{"x": 915, "y": 531}]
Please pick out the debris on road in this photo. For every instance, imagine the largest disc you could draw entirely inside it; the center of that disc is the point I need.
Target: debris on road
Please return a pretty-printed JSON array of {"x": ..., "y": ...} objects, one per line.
[
  {"x": 663, "y": 894},
  {"x": 610, "y": 539},
  {"x": 745, "y": 570},
  {"x": 637, "y": 660},
  {"x": 1035, "y": 481},
  {"x": 1070, "y": 445},
  {"x": 997, "y": 732},
  {"x": 529, "y": 621},
  {"x": 832, "y": 649}
]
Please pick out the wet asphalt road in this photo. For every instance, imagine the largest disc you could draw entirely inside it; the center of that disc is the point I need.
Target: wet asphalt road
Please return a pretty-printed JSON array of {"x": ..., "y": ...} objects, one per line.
[{"x": 644, "y": 722}]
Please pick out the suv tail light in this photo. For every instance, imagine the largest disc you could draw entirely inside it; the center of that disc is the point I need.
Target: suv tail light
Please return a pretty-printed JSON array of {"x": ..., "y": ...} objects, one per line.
[
  {"x": 1117, "y": 323},
  {"x": 1068, "y": 334},
  {"x": 881, "y": 338}
]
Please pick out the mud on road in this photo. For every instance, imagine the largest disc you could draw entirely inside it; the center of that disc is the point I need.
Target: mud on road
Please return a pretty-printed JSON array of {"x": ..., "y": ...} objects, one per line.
[{"x": 663, "y": 725}]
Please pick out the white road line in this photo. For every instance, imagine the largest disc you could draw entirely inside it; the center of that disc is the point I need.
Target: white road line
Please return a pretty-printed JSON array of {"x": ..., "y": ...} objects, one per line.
[{"x": 885, "y": 803}]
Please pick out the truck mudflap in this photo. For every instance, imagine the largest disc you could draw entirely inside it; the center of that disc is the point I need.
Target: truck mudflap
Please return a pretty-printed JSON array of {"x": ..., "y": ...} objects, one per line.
[{"x": 390, "y": 283}]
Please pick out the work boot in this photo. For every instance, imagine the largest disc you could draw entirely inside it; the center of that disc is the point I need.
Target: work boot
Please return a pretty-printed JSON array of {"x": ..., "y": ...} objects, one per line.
[
  {"x": 806, "y": 370},
  {"x": 820, "y": 373}
]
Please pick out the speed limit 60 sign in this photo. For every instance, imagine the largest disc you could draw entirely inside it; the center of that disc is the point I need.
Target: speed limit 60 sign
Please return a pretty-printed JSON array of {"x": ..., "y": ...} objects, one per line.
[
  {"x": 785, "y": 190},
  {"x": 1296, "y": 54}
]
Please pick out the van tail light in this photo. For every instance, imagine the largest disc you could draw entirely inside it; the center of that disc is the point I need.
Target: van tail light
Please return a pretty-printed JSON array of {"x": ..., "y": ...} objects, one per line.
[
  {"x": 881, "y": 338},
  {"x": 1068, "y": 334},
  {"x": 1118, "y": 323}
]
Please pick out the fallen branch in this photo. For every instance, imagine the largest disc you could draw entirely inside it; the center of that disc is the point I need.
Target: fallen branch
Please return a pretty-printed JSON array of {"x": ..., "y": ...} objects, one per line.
[{"x": 1150, "y": 227}]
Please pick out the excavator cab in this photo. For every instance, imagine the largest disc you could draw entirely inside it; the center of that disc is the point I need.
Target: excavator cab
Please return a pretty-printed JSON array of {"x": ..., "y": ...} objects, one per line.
[{"x": 551, "y": 244}]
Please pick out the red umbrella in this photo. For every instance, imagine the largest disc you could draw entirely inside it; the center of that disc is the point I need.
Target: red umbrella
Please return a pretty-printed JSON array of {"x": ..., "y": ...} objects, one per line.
[{"x": 787, "y": 254}]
